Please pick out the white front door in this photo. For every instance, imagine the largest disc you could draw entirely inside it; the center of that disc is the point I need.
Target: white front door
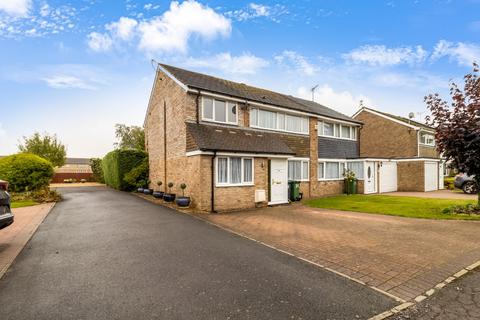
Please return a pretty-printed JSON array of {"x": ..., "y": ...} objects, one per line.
[
  {"x": 278, "y": 181},
  {"x": 370, "y": 177},
  {"x": 441, "y": 170}
]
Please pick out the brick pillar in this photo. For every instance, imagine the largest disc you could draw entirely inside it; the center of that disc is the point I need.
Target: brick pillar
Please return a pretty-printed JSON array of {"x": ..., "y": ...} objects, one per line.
[
  {"x": 246, "y": 115},
  {"x": 313, "y": 131}
]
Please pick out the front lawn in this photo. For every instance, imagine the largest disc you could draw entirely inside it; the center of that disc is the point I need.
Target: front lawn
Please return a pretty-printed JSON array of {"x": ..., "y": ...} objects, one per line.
[
  {"x": 396, "y": 206},
  {"x": 23, "y": 203}
]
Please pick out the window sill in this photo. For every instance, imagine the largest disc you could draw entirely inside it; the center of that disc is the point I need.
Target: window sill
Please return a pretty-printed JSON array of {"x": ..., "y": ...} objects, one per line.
[
  {"x": 279, "y": 130},
  {"x": 220, "y": 122},
  {"x": 337, "y": 138},
  {"x": 234, "y": 185},
  {"x": 427, "y": 145}
]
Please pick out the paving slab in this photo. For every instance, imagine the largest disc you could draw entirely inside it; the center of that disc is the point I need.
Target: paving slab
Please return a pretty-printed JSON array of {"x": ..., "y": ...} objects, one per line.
[{"x": 404, "y": 257}]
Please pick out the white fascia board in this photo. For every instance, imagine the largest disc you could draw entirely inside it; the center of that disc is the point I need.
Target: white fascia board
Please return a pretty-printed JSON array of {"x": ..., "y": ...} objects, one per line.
[
  {"x": 299, "y": 158},
  {"x": 358, "y": 112},
  {"x": 391, "y": 119},
  {"x": 271, "y": 107},
  {"x": 418, "y": 159},
  {"x": 234, "y": 154},
  {"x": 181, "y": 84}
]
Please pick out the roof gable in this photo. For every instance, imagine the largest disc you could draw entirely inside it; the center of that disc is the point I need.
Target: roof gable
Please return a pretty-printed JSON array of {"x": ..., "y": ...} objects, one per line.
[{"x": 401, "y": 120}]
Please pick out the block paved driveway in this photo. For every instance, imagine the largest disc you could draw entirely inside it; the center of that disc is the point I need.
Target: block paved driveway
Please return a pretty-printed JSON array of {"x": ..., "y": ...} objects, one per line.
[
  {"x": 103, "y": 254},
  {"x": 401, "y": 256}
]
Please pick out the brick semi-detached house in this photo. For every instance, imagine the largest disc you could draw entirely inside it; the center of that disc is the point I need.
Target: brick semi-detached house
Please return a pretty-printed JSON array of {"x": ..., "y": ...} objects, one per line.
[
  {"x": 236, "y": 146},
  {"x": 408, "y": 144}
]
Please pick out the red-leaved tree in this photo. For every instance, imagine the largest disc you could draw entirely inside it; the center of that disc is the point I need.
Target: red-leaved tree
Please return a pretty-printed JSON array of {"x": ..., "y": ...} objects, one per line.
[{"x": 458, "y": 125}]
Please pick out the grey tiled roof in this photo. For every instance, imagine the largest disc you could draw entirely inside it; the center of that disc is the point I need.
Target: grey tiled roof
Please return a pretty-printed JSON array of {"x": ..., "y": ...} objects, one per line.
[
  {"x": 240, "y": 90},
  {"x": 220, "y": 138},
  {"x": 77, "y": 161}
]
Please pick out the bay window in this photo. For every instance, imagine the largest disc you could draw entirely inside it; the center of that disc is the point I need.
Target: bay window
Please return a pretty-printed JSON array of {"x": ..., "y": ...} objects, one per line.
[
  {"x": 219, "y": 110},
  {"x": 273, "y": 120},
  {"x": 298, "y": 170},
  {"x": 234, "y": 171}
]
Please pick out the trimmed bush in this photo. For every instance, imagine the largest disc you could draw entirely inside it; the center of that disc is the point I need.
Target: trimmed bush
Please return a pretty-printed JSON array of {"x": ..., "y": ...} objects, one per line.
[
  {"x": 138, "y": 176},
  {"x": 96, "y": 165},
  {"x": 116, "y": 164},
  {"x": 26, "y": 172}
]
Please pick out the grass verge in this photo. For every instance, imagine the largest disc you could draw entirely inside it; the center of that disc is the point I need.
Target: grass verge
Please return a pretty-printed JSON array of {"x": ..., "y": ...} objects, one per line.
[
  {"x": 23, "y": 203},
  {"x": 395, "y": 206}
]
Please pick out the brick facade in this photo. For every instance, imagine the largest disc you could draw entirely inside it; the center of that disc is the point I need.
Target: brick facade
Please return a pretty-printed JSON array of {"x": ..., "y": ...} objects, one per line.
[
  {"x": 411, "y": 176},
  {"x": 168, "y": 141},
  {"x": 383, "y": 138}
]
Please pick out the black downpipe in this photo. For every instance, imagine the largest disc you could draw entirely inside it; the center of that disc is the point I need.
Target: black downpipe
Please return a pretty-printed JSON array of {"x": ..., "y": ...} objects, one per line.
[{"x": 213, "y": 182}]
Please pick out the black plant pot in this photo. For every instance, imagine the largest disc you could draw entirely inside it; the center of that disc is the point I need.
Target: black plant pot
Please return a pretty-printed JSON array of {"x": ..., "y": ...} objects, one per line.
[
  {"x": 183, "y": 201},
  {"x": 158, "y": 194},
  {"x": 169, "y": 197},
  {"x": 147, "y": 191},
  {"x": 140, "y": 190}
]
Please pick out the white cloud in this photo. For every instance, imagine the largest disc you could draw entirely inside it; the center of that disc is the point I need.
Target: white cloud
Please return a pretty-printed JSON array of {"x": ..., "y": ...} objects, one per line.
[
  {"x": 19, "y": 8},
  {"x": 380, "y": 55},
  {"x": 38, "y": 21},
  {"x": 171, "y": 31},
  {"x": 99, "y": 42},
  {"x": 242, "y": 64},
  {"x": 66, "y": 81},
  {"x": 123, "y": 29},
  {"x": 464, "y": 53},
  {"x": 151, "y": 6},
  {"x": 254, "y": 10},
  {"x": 344, "y": 101},
  {"x": 296, "y": 62}
]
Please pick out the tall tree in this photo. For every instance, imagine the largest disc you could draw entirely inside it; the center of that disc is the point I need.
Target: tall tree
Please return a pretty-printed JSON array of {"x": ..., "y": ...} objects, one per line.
[
  {"x": 129, "y": 137},
  {"x": 458, "y": 125},
  {"x": 46, "y": 146}
]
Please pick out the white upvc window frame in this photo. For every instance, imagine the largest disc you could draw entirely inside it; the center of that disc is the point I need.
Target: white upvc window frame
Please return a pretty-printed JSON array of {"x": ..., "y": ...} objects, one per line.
[
  {"x": 304, "y": 162},
  {"x": 431, "y": 135},
  {"x": 304, "y": 120},
  {"x": 341, "y": 169},
  {"x": 227, "y": 104},
  {"x": 337, "y": 130},
  {"x": 243, "y": 183}
]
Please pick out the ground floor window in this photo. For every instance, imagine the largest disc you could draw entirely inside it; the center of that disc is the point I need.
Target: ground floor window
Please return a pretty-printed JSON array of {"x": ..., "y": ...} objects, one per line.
[
  {"x": 330, "y": 170},
  {"x": 298, "y": 170},
  {"x": 234, "y": 171},
  {"x": 357, "y": 168}
]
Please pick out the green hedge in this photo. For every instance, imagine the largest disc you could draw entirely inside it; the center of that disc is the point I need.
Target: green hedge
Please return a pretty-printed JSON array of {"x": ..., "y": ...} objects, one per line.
[
  {"x": 118, "y": 163},
  {"x": 26, "y": 172}
]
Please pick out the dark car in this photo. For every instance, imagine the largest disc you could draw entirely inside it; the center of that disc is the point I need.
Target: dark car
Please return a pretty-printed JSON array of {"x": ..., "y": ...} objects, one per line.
[
  {"x": 466, "y": 183},
  {"x": 6, "y": 216}
]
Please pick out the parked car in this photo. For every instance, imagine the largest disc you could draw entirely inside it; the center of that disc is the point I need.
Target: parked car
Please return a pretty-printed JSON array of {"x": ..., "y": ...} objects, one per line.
[
  {"x": 6, "y": 216},
  {"x": 466, "y": 183}
]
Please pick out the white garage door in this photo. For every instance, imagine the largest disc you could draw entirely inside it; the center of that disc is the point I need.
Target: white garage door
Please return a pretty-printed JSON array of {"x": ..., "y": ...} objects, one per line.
[
  {"x": 388, "y": 177},
  {"x": 431, "y": 176}
]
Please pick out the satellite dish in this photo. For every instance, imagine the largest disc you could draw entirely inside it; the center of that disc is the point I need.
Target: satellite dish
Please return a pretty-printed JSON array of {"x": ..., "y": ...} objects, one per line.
[{"x": 411, "y": 115}]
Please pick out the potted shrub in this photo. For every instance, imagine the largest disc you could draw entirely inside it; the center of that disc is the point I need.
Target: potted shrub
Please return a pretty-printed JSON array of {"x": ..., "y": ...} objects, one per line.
[
  {"x": 350, "y": 182},
  {"x": 183, "y": 201},
  {"x": 169, "y": 197},
  {"x": 158, "y": 194}
]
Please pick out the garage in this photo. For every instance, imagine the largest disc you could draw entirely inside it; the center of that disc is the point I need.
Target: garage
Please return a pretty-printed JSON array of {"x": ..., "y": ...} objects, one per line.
[
  {"x": 431, "y": 176},
  {"x": 387, "y": 176}
]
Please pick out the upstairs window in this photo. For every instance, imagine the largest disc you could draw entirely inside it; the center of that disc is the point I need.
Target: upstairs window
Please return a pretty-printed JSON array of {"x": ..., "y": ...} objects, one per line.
[
  {"x": 337, "y": 130},
  {"x": 219, "y": 110},
  {"x": 273, "y": 120},
  {"x": 427, "y": 139}
]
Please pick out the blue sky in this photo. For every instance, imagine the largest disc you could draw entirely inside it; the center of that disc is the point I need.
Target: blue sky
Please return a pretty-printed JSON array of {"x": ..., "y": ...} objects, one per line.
[{"x": 75, "y": 68}]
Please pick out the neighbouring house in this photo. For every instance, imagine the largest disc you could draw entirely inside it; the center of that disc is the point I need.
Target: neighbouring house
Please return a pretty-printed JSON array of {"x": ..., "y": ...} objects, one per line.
[
  {"x": 74, "y": 168},
  {"x": 401, "y": 152},
  {"x": 236, "y": 146}
]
